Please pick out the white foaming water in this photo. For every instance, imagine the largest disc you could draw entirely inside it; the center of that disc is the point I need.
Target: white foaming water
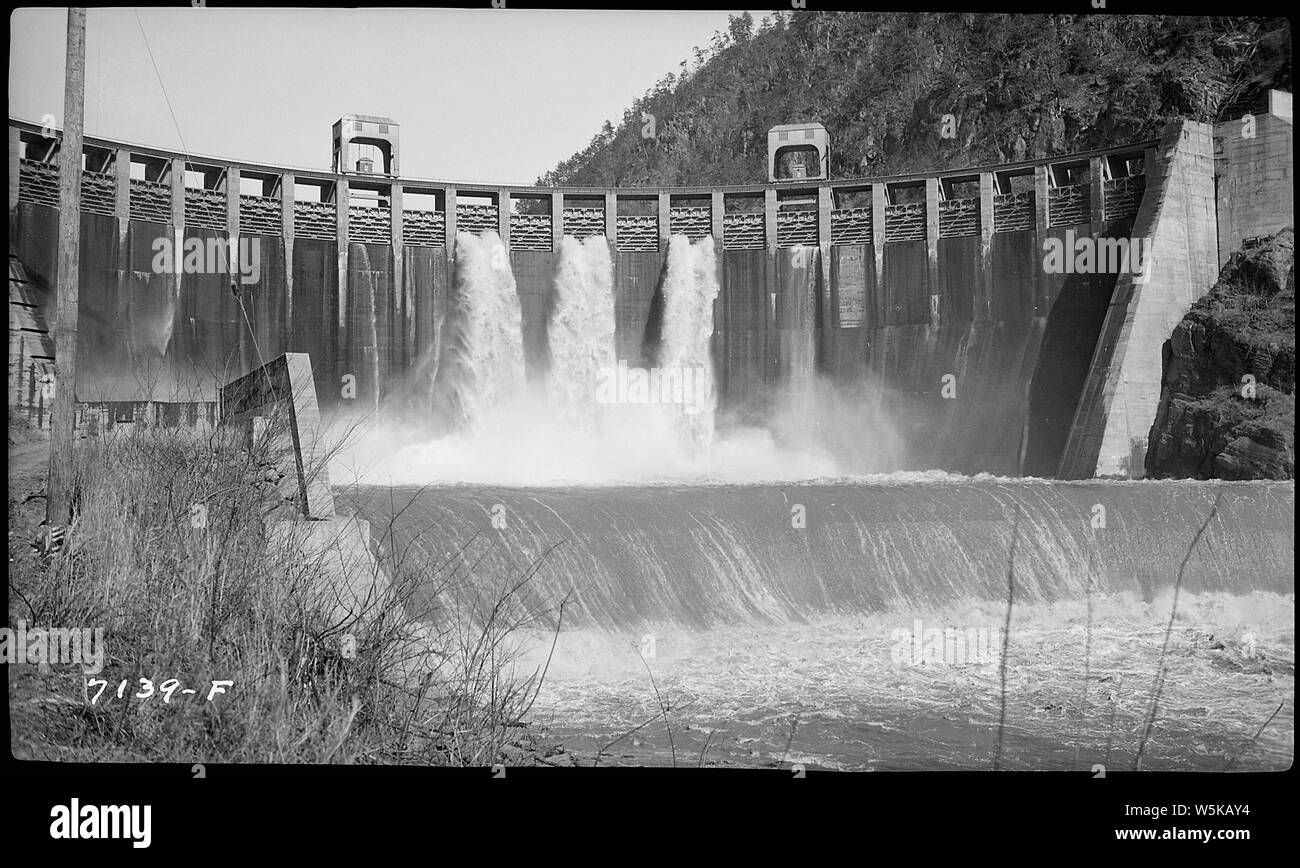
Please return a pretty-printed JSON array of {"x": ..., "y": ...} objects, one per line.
[
  {"x": 798, "y": 408},
  {"x": 581, "y": 330},
  {"x": 569, "y": 431},
  {"x": 690, "y": 287},
  {"x": 482, "y": 361}
]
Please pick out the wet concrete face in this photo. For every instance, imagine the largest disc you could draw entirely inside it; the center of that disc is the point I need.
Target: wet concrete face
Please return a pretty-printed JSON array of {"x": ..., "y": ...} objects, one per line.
[{"x": 1008, "y": 340}]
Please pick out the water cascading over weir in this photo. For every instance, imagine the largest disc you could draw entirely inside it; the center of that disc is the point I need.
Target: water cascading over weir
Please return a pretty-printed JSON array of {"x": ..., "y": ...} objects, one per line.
[
  {"x": 932, "y": 288},
  {"x": 702, "y": 556}
]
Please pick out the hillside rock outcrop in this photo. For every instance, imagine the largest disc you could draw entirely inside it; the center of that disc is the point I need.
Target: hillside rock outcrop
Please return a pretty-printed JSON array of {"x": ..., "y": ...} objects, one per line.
[{"x": 1227, "y": 403}]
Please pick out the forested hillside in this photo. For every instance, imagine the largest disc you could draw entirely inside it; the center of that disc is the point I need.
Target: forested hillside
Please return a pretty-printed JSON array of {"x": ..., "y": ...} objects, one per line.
[{"x": 1018, "y": 87}]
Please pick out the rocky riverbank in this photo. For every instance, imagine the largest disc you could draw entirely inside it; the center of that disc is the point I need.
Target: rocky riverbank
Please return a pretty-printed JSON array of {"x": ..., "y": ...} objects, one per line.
[{"x": 1227, "y": 405}]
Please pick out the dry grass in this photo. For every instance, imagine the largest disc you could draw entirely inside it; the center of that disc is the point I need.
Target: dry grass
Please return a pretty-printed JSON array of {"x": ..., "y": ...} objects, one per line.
[{"x": 170, "y": 551}]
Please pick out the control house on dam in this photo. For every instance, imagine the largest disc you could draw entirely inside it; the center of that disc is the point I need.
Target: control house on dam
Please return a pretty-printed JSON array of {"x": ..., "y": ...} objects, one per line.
[{"x": 933, "y": 290}]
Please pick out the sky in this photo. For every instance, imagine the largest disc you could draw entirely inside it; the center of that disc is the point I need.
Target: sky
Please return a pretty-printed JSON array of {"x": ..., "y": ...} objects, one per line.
[{"x": 490, "y": 95}]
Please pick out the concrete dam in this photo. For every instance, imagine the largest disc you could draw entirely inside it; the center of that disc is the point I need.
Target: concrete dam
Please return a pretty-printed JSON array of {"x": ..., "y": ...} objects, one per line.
[
  {"x": 990, "y": 322},
  {"x": 933, "y": 289}
]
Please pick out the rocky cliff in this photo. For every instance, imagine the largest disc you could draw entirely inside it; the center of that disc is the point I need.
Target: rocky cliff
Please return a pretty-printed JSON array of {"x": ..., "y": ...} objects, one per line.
[{"x": 1227, "y": 404}]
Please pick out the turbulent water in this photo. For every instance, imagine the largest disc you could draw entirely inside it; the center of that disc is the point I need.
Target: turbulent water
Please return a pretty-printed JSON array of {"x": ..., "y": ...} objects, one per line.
[
  {"x": 482, "y": 362},
  {"x": 690, "y": 287},
  {"x": 857, "y": 622},
  {"x": 774, "y": 607},
  {"x": 581, "y": 330},
  {"x": 595, "y": 420}
]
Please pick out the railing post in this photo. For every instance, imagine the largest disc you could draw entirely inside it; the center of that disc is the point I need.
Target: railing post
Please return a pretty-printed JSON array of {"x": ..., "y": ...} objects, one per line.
[
  {"x": 178, "y": 196},
  {"x": 932, "y": 214},
  {"x": 503, "y": 216},
  {"x": 984, "y": 287},
  {"x": 987, "y": 191},
  {"x": 178, "y": 221},
  {"x": 449, "y": 237},
  {"x": 717, "y": 210},
  {"x": 665, "y": 221},
  {"x": 246, "y": 341},
  {"x": 932, "y": 247},
  {"x": 122, "y": 199},
  {"x": 879, "y": 201},
  {"x": 122, "y": 211},
  {"x": 341, "y": 196},
  {"x": 449, "y": 223},
  {"x": 769, "y": 217},
  {"x": 557, "y": 219},
  {"x": 402, "y": 324},
  {"x": 825, "y": 205},
  {"x": 717, "y": 213},
  {"x": 611, "y": 219},
  {"x": 1096, "y": 195},
  {"x": 1042, "y": 221},
  {"x": 287, "y": 229},
  {"x": 286, "y": 240},
  {"x": 233, "y": 261},
  {"x": 1041, "y": 217},
  {"x": 395, "y": 215},
  {"x": 232, "y": 202}
]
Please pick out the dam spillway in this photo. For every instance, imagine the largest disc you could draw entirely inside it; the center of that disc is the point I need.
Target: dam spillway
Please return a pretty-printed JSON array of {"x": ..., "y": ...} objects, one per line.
[
  {"x": 625, "y": 557},
  {"x": 868, "y": 615},
  {"x": 931, "y": 288}
]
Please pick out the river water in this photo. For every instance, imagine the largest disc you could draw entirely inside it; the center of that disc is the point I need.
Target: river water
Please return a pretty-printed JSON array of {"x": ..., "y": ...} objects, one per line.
[
  {"x": 700, "y": 593},
  {"x": 863, "y": 624}
]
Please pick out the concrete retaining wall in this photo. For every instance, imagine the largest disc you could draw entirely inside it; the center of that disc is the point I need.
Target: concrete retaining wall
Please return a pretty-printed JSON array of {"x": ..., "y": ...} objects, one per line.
[
  {"x": 1255, "y": 164},
  {"x": 1177, "y": 219}
]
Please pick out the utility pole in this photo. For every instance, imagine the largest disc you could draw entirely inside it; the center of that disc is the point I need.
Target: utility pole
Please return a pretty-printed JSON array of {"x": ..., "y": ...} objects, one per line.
[{"x": 58, "y": 503}]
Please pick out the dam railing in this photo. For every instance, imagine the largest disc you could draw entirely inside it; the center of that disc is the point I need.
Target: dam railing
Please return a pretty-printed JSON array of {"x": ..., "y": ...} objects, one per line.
[{"x": 133, "y": 182}]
